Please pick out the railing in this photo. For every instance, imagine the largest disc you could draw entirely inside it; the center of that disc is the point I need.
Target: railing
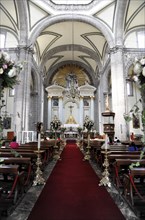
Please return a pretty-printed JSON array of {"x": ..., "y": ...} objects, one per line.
[{"x": 26, "y": 137}]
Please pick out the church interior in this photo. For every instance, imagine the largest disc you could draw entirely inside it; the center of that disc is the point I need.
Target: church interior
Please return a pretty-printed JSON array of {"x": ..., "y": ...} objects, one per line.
[{"x": 72, "y": 96}]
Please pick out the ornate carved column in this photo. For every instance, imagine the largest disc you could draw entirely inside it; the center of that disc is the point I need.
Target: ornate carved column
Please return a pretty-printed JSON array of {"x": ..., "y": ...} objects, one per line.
[{"x": 118, "y": 91}]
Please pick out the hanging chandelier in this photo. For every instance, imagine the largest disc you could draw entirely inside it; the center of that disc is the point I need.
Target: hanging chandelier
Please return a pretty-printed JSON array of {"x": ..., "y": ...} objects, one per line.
[{"x": 72, "y": 89}]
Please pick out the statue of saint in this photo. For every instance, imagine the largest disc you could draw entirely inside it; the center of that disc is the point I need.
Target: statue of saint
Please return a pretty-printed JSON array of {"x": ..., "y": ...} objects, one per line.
[{"x": 107, "y": 107}]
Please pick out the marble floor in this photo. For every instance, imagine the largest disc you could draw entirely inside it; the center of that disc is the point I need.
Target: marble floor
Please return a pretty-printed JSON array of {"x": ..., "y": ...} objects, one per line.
[{"x": 24, "y": 208}]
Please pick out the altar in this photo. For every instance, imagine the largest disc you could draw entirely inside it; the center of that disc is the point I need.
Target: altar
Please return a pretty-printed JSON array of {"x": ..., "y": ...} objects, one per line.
[
  {"x": 71, "y": 131},
  {"x": 71, "y": 126}
]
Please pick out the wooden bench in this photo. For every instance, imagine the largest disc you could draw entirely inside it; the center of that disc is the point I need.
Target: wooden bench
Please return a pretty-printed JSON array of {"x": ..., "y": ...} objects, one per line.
[
  {"x": 134, "y": 185},
  {"x": 10, "y": 182},
  {"x": 118, "y": 147},
  {"x": 24, "y": 165},
  {"x": 121, "y": 166},
  {"x": 113, "y": 157}
]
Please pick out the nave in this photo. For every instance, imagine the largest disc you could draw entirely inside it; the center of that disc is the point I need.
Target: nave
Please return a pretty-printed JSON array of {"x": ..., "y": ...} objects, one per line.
[{"x": 25, "y": 207}]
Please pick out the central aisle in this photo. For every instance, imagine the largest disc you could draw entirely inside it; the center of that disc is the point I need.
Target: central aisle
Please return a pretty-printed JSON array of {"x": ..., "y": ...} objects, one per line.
[{"x": 72, "y": 192}]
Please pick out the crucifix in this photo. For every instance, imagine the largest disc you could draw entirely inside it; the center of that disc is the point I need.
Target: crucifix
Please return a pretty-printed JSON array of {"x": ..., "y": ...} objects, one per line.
[{"x": 70, "y": 109}]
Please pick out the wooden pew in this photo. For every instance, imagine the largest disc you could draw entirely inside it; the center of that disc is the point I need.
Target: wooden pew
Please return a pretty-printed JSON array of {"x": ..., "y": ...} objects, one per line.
[
  {"x": 10, "y": 182},
  {"x": 24, "y": 165},
  {"x": 121, "y": 166},
  {"x": 125, "y": 152},
  {"x": 47, "y": 146},
  {"x": 113, "y": 157},
  {"x": 118, "y": 147},
  {"x": 134, "y": 186}
]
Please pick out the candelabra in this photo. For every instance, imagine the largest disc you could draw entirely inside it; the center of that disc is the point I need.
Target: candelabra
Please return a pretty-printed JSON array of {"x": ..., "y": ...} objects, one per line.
[
  {"x": 56, "y": 155},
  {"x": 39, "y": 180},
  {"x": 105, "y": 179},
  {"x": 87, "y": 154}
]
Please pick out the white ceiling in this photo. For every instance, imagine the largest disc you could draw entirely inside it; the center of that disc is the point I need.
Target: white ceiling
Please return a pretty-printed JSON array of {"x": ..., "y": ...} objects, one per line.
[{"x": 64, "y": 31}]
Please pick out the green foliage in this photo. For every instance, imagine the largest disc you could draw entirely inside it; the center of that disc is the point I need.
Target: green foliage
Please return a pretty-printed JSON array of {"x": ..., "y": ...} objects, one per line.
[
  {"x": 127, "y": 117},
  {"x": 15, "y": 153},
  {"x": 8, "y": 71},
  {"x": 9, "y": 82},
  {"x": 88, "y": 124},
  {"x": 79, "y": 129},
  {"x": 143, "y": 117},
  {"x": 133, "y": 111}
]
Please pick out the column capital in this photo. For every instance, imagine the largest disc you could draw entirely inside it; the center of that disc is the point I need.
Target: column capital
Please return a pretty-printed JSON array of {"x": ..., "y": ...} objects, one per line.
[
  {"x": 116, "y": 49},
  {"x": 49, "y": 97},
  {"x": 60, "y": 97},
  {"x": 27, "y": 48}
]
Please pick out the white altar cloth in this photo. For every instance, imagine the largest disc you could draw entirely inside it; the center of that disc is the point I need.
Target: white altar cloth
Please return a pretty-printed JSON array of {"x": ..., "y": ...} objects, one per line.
[{"x": 71, "y": 125}]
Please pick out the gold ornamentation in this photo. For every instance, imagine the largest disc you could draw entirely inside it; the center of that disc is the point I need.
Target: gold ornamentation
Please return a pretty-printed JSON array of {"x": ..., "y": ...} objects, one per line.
[
  {"x": 38, "y": 178},
  {"x": 105, "y": 180},
  {"x": 63, "y": 72}
]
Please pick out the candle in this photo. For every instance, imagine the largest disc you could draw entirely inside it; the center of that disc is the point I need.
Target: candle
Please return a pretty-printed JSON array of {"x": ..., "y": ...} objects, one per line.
[
  {"x": 106, "y": 144},
  {"x": 38, "y": 141}
]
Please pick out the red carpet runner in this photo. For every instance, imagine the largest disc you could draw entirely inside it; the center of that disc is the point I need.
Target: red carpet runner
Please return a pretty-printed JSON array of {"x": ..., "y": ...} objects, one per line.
[{"x": 72, "y": 192}]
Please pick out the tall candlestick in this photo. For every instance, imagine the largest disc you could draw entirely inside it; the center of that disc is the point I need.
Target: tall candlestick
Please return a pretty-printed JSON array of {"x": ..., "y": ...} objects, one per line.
[
  {"x": 38, "y": 141},
  {"x": 106, "y": 144}
]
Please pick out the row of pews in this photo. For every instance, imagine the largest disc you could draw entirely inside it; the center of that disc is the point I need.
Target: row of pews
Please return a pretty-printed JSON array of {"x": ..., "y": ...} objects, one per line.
[
  {"x": 17, "y": 171},
  {"x": 129, "y": 180}
]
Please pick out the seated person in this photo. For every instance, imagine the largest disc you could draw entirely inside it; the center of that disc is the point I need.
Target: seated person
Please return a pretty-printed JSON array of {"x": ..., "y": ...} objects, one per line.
[
  {"x": 133, "y": 147},
  {"x": 14, "y": 144}
]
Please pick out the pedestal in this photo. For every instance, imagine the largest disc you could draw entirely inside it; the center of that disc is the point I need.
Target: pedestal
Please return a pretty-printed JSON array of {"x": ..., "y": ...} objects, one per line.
[
  {"x": 87, "y": 153},
  {"x": 105, "y": 179},
  {"x": 38, "y": 178},
  {"x": 56, "y": 155}
]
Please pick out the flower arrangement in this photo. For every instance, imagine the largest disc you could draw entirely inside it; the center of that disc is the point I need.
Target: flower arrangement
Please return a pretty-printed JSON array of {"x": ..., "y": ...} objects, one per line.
[
  {"x": 139, "y": 71},
  {"x": 79, "y": 129},
  {"x": 8, "y": 78},
  {"x": 88, "y": 124},
  {"x": 8, "y": 71},
  {"x": 138, "y": 76},
  {"x": 62, "y": 129},
  {"x": 55, "y": 124}
]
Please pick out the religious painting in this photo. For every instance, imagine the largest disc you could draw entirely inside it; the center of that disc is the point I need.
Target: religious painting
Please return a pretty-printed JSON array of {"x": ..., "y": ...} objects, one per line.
[
  {"x": 55, "y": 101},
  {"x": 136, "y": 121},
  {"x": 86, "y": 102}
]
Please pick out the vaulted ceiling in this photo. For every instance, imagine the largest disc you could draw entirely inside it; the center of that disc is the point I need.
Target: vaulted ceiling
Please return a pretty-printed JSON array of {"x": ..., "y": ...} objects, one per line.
[{"x": 71, "y": 31}]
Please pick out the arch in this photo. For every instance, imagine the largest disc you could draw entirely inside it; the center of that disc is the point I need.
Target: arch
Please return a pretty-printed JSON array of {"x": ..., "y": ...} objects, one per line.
[
  {"x": 23, "y": 9},
  {"x": 70, "y": 100},
  {"x": 119, "y": 21},
  {"x": 82, "y": 18},
  {"x": 81, "y": 48},
  {"x": 88, "y": 71}
]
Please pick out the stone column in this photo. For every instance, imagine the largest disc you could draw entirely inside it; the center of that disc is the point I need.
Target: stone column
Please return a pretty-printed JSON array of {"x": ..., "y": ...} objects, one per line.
[
  {"x": 81, "y": 112},
  {"x": 92, "y": 108},
  {"x": 60, "y": 109},
  {"x": 118, "y": 92},
  {"x": 49, "y": 110},
  {"x": 22, "y": 94}
]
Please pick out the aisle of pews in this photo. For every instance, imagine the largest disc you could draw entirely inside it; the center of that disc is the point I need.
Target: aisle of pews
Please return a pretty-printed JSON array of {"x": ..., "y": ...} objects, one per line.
[
  {"x": 17, "y": 172},
  {"x": 129, "y": 181}
]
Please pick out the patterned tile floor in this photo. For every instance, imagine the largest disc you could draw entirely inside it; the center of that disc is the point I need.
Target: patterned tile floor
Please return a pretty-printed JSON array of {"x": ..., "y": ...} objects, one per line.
[{"x": 24, "y": 208}]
